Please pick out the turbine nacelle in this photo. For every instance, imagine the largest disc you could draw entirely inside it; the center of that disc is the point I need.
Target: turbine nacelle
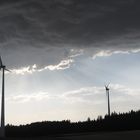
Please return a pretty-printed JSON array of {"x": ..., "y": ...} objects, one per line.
[
  {"x": 3, "y": 66},
  {"x": 107, "y": 87}
]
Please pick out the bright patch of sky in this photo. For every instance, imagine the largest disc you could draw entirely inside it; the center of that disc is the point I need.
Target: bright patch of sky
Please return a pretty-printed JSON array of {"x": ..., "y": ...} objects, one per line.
[{"x": 75, "y": 91}]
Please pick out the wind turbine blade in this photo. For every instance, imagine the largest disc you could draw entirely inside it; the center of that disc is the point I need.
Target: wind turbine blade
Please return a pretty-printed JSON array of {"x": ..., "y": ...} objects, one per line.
[
  {"x": 0, "y": 61},
  {"x": 8, "y": 70},
  {"x": 108, "y": 84}
]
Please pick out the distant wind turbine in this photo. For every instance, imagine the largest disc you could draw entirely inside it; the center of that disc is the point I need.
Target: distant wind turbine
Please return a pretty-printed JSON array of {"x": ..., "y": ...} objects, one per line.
[
  {"x": 107, "y": 93},
  {"x": 3, "y": 68}
]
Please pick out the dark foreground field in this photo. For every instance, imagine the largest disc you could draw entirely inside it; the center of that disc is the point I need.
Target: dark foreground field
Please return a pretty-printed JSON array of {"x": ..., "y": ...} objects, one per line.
[{"x": 127, "y": 135}]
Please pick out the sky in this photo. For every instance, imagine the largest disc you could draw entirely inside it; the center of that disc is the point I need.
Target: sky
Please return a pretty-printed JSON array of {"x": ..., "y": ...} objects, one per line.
[{"x": 62, "y": 53}]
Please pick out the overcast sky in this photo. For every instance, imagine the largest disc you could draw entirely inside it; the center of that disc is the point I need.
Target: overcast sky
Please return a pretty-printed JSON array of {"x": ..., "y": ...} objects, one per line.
[{"x": 62, "y": 52}]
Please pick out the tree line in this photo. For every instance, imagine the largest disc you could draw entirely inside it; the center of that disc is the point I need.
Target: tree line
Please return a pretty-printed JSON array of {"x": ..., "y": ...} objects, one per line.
[{"x": 114, "y": 122}]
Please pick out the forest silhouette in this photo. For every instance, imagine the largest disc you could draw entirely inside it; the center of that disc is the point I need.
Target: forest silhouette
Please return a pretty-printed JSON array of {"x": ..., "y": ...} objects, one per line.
[{"x": 114, "y": 122}]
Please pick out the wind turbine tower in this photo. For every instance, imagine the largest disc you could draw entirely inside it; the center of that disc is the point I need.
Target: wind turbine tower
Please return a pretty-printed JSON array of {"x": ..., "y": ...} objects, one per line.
[
  {"x": 2, "y": 130},
  {"x": 108, "y": 98}
]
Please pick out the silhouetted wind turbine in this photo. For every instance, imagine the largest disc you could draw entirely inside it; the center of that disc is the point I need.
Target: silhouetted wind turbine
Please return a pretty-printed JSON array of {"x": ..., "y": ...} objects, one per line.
[
  {"x": 107, "y": 93},
  {"x": 3, "y": 67}
]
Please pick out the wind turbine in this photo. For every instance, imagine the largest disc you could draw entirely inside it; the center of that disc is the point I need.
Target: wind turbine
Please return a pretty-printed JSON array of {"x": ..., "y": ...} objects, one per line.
[
  {"x": 107, "y": 93},
  {"x": 3, "y": 67}
]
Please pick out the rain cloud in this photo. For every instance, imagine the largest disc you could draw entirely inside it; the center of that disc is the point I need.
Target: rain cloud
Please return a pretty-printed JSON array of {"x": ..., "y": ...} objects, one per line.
[{"x": 49, "y": 32}]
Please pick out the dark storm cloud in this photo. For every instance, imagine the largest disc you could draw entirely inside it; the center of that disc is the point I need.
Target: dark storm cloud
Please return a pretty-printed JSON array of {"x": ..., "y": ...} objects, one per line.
[{"x": 37, "y": 27}]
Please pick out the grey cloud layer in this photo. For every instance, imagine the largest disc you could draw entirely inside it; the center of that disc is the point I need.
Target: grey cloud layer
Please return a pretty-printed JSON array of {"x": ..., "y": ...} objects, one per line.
[{"x": 53, "y": 25}]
